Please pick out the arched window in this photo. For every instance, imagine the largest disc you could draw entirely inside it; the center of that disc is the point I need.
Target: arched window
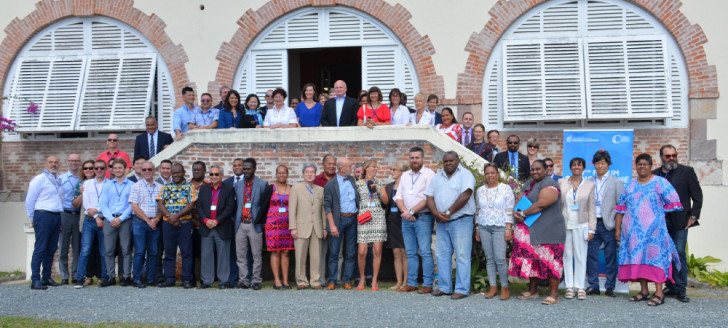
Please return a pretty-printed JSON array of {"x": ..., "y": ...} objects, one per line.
[
  {"x": 585, "y": 63},
  {"x": 384, "y": 60},
  {"x": 89, "y": 74}
]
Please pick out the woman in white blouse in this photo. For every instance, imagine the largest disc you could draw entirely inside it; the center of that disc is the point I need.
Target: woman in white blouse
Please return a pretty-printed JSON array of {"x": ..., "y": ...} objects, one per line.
[
  {"x": 421, "y": 116},
  {"x": 495, "y": 202},
  {"x": 400, "y": 112},
  {"x": 280, "y": 116}
]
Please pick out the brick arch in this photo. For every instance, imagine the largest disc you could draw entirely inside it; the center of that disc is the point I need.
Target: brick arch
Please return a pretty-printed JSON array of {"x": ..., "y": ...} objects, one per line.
[
  {"x": 396, "y": 17},
  {"x": 20, "y": 31},
  {"x": 690, "y": 37}
]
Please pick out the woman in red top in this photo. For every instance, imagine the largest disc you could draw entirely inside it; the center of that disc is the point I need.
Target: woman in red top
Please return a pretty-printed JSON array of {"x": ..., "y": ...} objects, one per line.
[
  {"x": 375, "y": 112},
  {"x": 449, "y": 125}
]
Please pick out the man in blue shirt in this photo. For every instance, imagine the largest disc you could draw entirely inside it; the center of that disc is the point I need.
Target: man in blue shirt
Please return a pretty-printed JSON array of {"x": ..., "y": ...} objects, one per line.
[
  {"x": 185, "y": 114},
  {"x": 340, "y": 204},
  {"x": 44, "y": 204},
  {"x": 70, "y": 218},
  {"x": 115, "y": 207}
]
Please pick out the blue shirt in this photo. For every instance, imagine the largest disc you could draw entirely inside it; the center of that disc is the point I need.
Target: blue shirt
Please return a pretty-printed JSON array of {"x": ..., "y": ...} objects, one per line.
[
  {"x": 347, "y": 198},
  {"x": 513, "y": 158},
  {"x": 226, "y": 119},
  {"x": 115, "y": 199},
  {"x": 68, "y": 183},
  {"x": 309, "y": 117},
  {"x": 182, "y": 117},
  {"x": 206, "y": 118},
  {"x": 447, "y": 190},
  {"x": 339, "y": 108},
  {"x": 44, "y": 193}
]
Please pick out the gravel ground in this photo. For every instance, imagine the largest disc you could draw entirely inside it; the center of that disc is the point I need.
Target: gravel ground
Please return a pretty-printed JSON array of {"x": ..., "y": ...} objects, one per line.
[{"x": 341, "y": 308}]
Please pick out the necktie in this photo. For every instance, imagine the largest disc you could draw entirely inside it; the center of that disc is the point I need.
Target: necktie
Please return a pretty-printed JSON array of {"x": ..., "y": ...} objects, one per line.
[
  {"x": 237, "y": 179},
  {"x": 466, "y": 140},
  {"x": 152, "y": 149}
]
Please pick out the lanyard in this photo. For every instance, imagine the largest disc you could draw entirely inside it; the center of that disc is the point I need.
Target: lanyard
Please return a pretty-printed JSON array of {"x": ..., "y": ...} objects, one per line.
[
  {"x": 575, "y": 190},
  {"x": 98, "y": 193},
  {"x": 279, "y": 192},
  {"x": 253, "y": 113},
  {"x": 371, "y": 195},
  {"x": 415, "y": 180},
  {"x": 477, "y": 150},
  {"x": 600, "y": 188},
  {"x": 215, "y": 196},
  {"x": 666, "y": 174},
  {"x": 151, "y": 193},
  {"x": 118, "y": 193},
  {"x": 310, "y": 192}
]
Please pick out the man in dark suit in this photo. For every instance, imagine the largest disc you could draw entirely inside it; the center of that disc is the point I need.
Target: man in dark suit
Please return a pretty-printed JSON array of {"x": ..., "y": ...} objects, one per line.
[
  {"x": 550, "y": 169},
  {"x": 341, "y": 206},
  {"x": 157, "y": 139},
  {"x": 686, "y": 184},
  {"x": 340, "y": 110},
  {"x": 513, "y": 159},
  {"x": 248, "y": 234},
  {"x": 223, "y": 94},
  {"x": 237, "y": 176},
  {"x": 216, "y": 209}
]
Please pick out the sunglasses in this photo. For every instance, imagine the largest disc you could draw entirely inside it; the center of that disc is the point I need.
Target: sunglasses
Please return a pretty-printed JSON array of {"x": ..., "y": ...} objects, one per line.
[
  {"x": 215, "y": 174},
  {"x": 206, "y": 100},
  {"x": 86, "y": 168},
  {"x": 112, "y": 140},
  {"x": 269, "y": 95},
  {"x": 532, "y": 147},
  {"x": 514, "y": 142},
  {"x": 668, "y": 156},
  {"x": 552, "y": 165},
  {"x": 147, "y": 170},
  {"x": 100, "y": 168}
]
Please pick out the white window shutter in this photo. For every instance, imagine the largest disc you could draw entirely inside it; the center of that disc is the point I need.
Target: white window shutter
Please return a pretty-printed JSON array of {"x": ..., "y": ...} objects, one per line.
[
  {"x": 270, "y": 71},
  {"x": 165, "y": 99},
  {"x": 407, "y": 84},
  {"x": 380, "y": 67},
  {"x": 118, "y": 92},
  {"x": 242, "y": 85},
  {"x": 54, "y": 85}
]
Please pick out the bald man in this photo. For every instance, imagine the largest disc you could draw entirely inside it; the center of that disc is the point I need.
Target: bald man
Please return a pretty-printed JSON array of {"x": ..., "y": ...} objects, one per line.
[
  {"x": 341, "y": 206},
  {"x": 70, "y": 218},
  {"x": 340, "y": 110},
  {"x": 113, "y": 152}
]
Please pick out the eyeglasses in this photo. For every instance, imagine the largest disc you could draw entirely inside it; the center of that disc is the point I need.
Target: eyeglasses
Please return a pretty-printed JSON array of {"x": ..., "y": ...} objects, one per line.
[
  {"x": 215, "y": 174},
  {"x": 87, "y": 168},
  {"x": 668, "y": 156},
  {"x": 147, "y": 170},
  {"x": 206, "y": 100},
  {"x": 100, "y": 168},
  {"x": 530, "y": 146},
  {"x": 513, "y": 142},
  {"x": 268, "y": 95},
  {"x": 547, "y": 165},
  {"x": 644, "y": 164},
  {"x": 395, "y": 169},
  {"x": 112, "y": 140}
]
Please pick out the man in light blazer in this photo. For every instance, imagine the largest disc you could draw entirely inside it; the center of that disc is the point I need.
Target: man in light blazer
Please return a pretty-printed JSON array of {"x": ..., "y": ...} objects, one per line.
[
  {"x": 248, "y": 234},
  {"x": 307, "y": 223},
  {"x": 607, "y": 189},
  {"x": 341, "y": 205},
  {"x": 340, "y": 110},
  {"x": 216, "y": 210}
]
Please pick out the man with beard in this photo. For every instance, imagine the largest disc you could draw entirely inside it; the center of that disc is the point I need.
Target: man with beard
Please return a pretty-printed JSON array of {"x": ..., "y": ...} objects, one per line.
[
  {"x": 512, "y": 159},
  {"x": 686, "y": 184}
]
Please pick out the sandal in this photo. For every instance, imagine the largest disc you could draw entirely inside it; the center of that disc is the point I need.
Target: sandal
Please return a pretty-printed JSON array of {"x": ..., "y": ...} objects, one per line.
[
  {"x": 569, "y": 294},
  {"x": 656, "y": 300},
  {"x": 527, "y": 295},
  {"x": 643, "y": 297},
  {"x": 550, "y": 301},
  {"x": 581, "y": 294}
]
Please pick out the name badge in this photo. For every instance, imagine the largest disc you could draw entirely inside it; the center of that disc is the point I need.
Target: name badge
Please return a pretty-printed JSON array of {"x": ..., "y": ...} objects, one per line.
[
  {"x": 575, "y": 207},
  {"x": 599, "y": 203},
  {"x": 98, "y": 204},
  {"x": 411, "y": 192},
  {"x": 248, "y": 205},
  {"x": 394, "y": 210},
  {"x": 118, "y": 201},
  {"x": 152, "y": 204},
  {"x": 372, "y": 204},
  {"x": 213, "y": 208},
  {"x": 281, "y": 210}
]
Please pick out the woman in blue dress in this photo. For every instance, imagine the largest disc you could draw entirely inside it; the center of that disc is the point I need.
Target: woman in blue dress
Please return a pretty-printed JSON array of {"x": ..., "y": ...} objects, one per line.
[{"x": 309, "y": 110}]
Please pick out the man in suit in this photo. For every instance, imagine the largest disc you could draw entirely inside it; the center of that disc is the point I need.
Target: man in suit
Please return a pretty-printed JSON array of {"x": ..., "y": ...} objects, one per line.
[
  {"x": 223, "y": 94},
  {"x": 248, "y": 234},
  {"x": 237, "y": 176},
  {"x": 341, "y": 206},
  {"x": 432, "y": 101},
  {"x": 153, "y": 141},
  {"x": 550, "y": 169},
  {"x": 307, "y": 222},
  {"x": 467, "y": 128},
  {"x": 607, "y": 189},
  {"x": 137, "y": 168},
  {"x": 686, "y": 184},
  {"x": 340, "y": 110},
  {"x": 237, "y": 173},
  {"x": 513, "y": 159},
  {"x": 216, "y": 208},
  {"x": 492, "y": 138}
]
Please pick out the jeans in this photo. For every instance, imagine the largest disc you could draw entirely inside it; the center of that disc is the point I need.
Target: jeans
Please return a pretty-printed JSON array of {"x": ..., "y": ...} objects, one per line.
[
  {"x": 91, "y": 233},
  {"x": 145, "y": 241},
  {"x": 456, "y": 237},
  {"x": 493, "y": 240},
  {"x": 680, "y": 238},
  {"x": 347, "y": 230},
  {"x": 610, "y": 257},
  {"x": 47, "y": 228},
  {"x": 418, "y": 235},
  {"x": 174, "y": 237}
]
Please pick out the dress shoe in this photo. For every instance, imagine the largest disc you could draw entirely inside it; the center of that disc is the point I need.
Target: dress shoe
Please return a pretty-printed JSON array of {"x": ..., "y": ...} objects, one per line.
[
  {"x": 243, "y": 285},
  {"x": 408, "y": 288},
  {"x": 347, "y": 286},
  {"x": 278, "y": 287},
  {"x": 439, "y": 293},
  {"x": 107, "y": 283},
  {"x": 188, "y": 284},
  {"x": 610, "y": 292},
  {"x": 64, "y": 281},
  {"x": 225, "y": 285},
  {"x": 165, "y": 284},
  {"x": 331, "y": 287},
  {"x": 79, "y": 285},
  {"x": 424, "y": 290},
  {"x": 458, "y": 296},
  {"x": 126, "y": 282},
  {"x": 51, "y": 283},
  {"x": 256, "y": 286},
  {"x": 74, "y": 281},
  {"x": 203, "y": 286},
  {"x": 669, "y": 292},
  {"x": 302, "y": 287},
  {"x": 38, "y": 285},
  {"x": 317, "y": 287},
  {"x": 140, "y": 284},
  {"x": 491, "y": 292},
  {"x": 592, "y": 291},
  {"x": 505, "y": 293},
  {"x": 682, "y": 297}
]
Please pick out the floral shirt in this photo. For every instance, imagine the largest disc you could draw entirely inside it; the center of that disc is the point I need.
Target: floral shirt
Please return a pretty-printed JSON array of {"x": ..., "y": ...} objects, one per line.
[
  {"x": 495, "y": 205},
  {"x": 177, "y": 197}
]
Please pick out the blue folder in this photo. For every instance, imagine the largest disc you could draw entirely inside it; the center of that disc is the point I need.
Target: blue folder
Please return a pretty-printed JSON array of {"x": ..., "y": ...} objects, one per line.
[{"x": 522, "y": 205}]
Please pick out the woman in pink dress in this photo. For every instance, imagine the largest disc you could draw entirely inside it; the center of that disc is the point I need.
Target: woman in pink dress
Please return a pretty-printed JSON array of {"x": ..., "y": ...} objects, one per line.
[{"x": 278, "y": 238}]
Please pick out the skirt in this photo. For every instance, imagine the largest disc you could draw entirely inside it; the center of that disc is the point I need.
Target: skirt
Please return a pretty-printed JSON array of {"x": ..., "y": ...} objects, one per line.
[
  {"x": 394, "y": 231},
  {"x": 534, "y": 261}
]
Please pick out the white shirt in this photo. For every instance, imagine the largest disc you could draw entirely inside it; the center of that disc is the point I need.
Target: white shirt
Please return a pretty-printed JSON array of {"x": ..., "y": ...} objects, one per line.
[
  {"x": 495, "y": 205},
  {"x": 599, "y": 192},
  {"x": 427, "y": 118},
  {"x": 44, "y": 195},
  {"x": 91, "y": 195},
  {"x": 285, "y": 115},
  {"x": 401, "y": 116}
]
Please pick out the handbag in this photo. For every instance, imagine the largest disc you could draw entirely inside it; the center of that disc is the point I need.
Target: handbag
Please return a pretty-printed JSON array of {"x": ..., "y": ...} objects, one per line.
[{"x": 364, "y": 218}]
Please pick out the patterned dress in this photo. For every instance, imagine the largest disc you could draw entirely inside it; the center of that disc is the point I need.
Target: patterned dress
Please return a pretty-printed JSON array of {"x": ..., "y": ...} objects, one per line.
[
  {"x": 277, "y": 235},
  {"x": 646, "y": 249},
  {"x": 374, "y": 231}
]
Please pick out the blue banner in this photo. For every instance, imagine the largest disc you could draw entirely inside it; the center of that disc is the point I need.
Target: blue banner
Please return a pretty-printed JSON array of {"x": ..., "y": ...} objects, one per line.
[{"x": 584, "y": 143}]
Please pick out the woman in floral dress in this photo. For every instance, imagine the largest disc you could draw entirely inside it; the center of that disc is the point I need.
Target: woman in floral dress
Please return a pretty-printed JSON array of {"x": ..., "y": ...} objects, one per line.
[
  {"x": 373, "y": 197},
  {"x": 278, "y": 238}
]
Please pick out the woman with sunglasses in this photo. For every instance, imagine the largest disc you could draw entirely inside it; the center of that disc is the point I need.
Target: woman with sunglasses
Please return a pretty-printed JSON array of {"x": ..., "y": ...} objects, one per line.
[
  {"x": 92, "y": 231},
  {"x": 532, "y": 149}
]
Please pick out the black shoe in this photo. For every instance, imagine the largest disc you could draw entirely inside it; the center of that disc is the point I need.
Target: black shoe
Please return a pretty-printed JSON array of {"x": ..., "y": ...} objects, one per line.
[
  {"x": 610, "y": 292},
  {"x": 188, "y": 284},
  {"x": 38, "y": 285},
  {"x": 107, "y": 283},
  {"x": 243, "y": 286},
  {"x": 286, "y": 287},
  {"x": 64, "y": 281},
  {"x": 164, "y": 284},
  {"x": 52, "y": 283},
  {"x": 140, "y": 284},
  {"x": 202, "y": 286},
  {"x": 682, "y": 297},
  {"x": 225, "y": 285},
  {"x": 74, "y": 281},
  {"x": 78, "y": 285},
  {"x": 669, "y": 292},
  {"x": 256, "y": 286},
  {"x": 125, "y": 282},
  {"x": 592, "y": 291}
]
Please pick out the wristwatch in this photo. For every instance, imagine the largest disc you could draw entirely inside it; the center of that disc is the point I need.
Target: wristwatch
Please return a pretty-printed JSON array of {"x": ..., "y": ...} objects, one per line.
[
  {"x": 448, "y": 212},
  {"x": 412, "y": 212}
]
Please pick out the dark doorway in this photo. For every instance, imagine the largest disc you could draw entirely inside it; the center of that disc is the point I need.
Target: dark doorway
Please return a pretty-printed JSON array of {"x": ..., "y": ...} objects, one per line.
[{"x": 323, "y": 67}]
